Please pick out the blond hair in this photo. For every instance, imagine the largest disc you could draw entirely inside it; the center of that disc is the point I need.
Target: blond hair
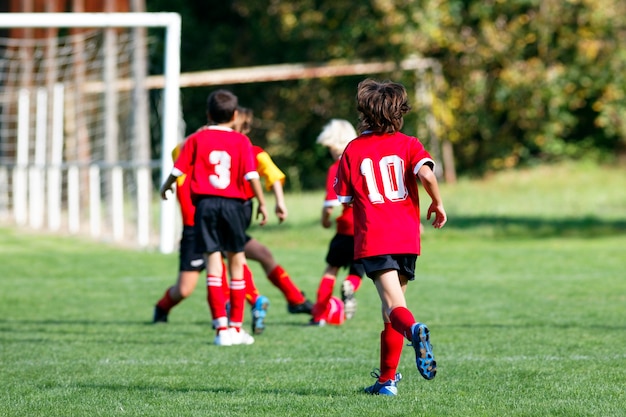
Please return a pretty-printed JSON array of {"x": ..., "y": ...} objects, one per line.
[{"x": 336, "y": 134}]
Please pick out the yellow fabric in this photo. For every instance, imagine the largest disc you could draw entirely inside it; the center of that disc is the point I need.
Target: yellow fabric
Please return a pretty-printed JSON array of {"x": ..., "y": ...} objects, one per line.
[
  {"x": 175, "y": 152},
  {"x": 268, "y": 170}
]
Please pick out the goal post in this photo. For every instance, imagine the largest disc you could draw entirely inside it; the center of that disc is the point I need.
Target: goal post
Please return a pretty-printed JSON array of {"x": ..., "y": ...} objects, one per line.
[{"x": 27, "y": 168}]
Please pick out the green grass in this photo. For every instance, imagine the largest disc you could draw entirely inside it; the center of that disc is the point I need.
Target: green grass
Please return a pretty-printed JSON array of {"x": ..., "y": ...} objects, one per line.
[{"x": 524, "y": 292}]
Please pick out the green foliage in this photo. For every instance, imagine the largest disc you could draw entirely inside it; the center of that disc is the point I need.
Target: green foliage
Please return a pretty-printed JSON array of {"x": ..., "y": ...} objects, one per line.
[
  {"x": 523, "y": 80},
  {"x": 523, "y": 291}
]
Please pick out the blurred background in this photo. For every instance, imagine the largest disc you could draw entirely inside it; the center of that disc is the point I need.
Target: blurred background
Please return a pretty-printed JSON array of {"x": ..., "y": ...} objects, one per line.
[{"x": 494, "y": 85}]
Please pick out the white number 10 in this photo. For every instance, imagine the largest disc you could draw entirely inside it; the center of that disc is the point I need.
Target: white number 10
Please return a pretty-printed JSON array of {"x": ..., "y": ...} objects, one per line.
[{"x": 392, "y": 174}]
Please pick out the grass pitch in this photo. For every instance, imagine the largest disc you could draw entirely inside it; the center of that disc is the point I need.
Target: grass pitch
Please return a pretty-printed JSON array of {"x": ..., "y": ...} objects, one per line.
[{"x": 524, "y": 292}]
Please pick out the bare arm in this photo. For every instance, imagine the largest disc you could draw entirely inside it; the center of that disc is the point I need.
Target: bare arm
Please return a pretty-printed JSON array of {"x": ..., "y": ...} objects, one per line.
[
  {"x": 281, "y": 207},
  {"x": 326, "y": 212},
  {"x": 429, "y": 182},
  {"x": 167, "y": 186},
  {"x": 258, "y": 193}
]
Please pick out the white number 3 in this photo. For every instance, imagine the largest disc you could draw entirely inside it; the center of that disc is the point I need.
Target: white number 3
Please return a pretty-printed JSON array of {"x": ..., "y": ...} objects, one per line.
[
  {"x": 392, "y": 174},
  {"x": 221, "y": 161}
]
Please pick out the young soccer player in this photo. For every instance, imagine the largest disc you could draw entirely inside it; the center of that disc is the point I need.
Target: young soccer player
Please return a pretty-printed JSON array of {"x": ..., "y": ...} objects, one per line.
[
  {"x": 377, "y": 174},
  {"x": 191, "y": 263},
  {"x": 219, "y": 162},
  {"x": 335, "y": 135}
]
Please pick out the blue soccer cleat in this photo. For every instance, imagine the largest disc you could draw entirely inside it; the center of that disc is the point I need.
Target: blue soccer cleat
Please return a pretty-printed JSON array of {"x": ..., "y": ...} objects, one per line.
[
  {"x": 259, "y": 311},
  {"x": 388, "y": 388},
  {"x": 424, "y": 358}
]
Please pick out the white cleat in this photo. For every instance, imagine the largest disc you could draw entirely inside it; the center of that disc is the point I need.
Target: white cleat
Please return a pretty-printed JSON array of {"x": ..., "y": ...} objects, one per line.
[
  {"x": 240, "y": 337},
  {"x": 224, "y": 338}
]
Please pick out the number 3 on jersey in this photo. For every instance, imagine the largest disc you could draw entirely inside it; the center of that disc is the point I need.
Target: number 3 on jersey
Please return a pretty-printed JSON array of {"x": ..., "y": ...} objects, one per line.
[
  {"x": 392, "y": 174},
  {"x": 221, "y": 161}
]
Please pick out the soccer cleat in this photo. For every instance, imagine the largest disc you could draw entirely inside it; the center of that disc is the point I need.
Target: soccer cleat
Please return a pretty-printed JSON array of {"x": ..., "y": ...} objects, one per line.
[
  {"x": 240, "y": 337},
  {"x": 347, "y": 296},
  {"x": 223, "y": 338},
  {"x": 259, "y": 311},
  {"x": 160, "y": 315},
  {"x": 318, "y": 323},
  {"x": 424, "y": 358},
  {"x": 303, "y": 308},
  {"x": 388, "y": 387}
]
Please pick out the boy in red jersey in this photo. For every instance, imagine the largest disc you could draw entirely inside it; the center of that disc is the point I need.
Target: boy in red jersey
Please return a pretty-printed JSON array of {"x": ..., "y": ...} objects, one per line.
[
  {"x": 192, "y": 263},
  {"x": 377, "y": 174},
  {"x": 335, "y": 136},
  {"x": 219, "y": 162}
]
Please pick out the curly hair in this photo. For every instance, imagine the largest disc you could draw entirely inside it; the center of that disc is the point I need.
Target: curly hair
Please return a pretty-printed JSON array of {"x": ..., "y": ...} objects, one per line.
[
  {"x": 336, "y": 134},
  {"x": 381, "y": 106}
]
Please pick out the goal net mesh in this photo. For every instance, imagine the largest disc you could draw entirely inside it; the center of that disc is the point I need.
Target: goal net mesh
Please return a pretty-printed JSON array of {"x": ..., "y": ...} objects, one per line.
[{"x": 69, "y": 156}]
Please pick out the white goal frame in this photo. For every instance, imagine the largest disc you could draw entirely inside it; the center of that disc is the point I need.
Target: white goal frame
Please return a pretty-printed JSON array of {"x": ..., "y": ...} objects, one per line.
[{"x": 171, "y": 22}]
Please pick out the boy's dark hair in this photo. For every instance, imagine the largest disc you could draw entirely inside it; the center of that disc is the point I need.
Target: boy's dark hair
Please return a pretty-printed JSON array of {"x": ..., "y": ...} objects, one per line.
[
  {"x": 221, "y": 106},
  {"x": 381, "y": 106}
]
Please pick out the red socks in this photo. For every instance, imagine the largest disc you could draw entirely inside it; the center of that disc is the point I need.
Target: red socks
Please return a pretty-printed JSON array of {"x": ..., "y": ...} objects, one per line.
[
  {"x": 215, "y": 297},
  {"x": 401, "y": 320},
  {"x": 324, "y": 292},
  {"x": 355, "y": 280},
  {"x": 252, "y": 293},
  {"x": 237, "y": 301},
  {"x": 280, "y": 278},
  {"x": 166, "y": 302},
  {"x": 391, "y": 344}
]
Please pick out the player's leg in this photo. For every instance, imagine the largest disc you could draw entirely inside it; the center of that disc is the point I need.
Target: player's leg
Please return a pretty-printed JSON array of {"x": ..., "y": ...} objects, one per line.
[
  {"x": 324, "y": 293},
  {"x": 343, "y": 252},
  {"x": 391, "y": 285},
  {"x": 259, "y": 303},
  {"x": 190, "y": 263},
  {"x": 296, "y": 301},
  {"x": 233, "y": 232}
]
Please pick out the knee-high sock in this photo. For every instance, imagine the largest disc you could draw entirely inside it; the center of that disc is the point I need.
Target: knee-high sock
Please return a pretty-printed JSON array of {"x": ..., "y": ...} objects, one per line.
[
  {"x": 216, "y": 300},
  {"x": 252, "y": 293},
  {"x": 225, "y": 286},
  {"x": 167, "y": 302},
  {"x": 280, "y": 278},
  {"x": 391, "y": 344},
  {"x": 401, "y": 320},
  {"x": 324, "y": 292},
  {"x": 237, "y": 301},
  {"x": 355, "y": 280}
]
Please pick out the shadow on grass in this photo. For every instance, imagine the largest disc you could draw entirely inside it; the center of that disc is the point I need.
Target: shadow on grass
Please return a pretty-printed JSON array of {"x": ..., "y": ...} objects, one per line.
[
  {"x": 154, "y": 388},
  {"x": 546, "y": 325},
  {"x": 537, "y": 227}
]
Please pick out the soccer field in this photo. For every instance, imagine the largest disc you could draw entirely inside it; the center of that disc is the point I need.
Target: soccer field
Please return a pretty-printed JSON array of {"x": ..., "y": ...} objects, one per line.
[{"x": 524, "y": 292}]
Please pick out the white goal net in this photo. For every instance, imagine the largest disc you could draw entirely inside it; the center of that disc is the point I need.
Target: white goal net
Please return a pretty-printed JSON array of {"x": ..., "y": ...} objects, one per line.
[{"x": 75, "y": 148}]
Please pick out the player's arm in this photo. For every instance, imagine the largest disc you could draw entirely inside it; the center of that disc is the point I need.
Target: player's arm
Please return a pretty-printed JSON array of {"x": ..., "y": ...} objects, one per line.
[
  {"x": 430, "y": 184},
  {"x": 281, "y": 207},
  {"x": 255, "y": 183},
  {"x": 167, "y": 185},
  {"x": 326, "y": 213},
  {"x": 274, "y": 180}
]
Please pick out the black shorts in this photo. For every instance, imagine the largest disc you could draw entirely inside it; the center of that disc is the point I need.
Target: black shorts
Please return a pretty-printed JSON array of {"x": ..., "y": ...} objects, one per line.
[
  {"x": 247, "y": 208},
  {"x": 188, "y": 258},
  {"x": 404, "y": 264},
  {"x": 220, "y": 225},
  {"x": 341, "y": 254}
]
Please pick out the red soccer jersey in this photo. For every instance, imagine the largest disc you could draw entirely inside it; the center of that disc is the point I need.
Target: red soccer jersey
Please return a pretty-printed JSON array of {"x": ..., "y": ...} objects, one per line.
[
  {"x": 377, "y": 173},
  {"x": 218, "y": 161},
  {"x": 345, "y": 222}
]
